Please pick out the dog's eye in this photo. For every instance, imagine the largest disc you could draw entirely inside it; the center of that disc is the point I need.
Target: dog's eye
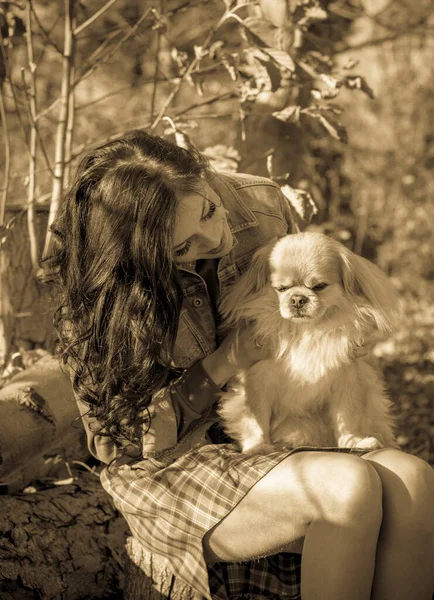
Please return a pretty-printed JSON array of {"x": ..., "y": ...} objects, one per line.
[
  {"x": 319, "y": 286},
  {"x": 282, "y": 288}
]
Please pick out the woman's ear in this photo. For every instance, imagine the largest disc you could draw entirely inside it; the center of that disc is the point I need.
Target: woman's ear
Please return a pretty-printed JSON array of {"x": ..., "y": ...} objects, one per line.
[
  {"x": 252, "y": 281},
  {"x": 362, "y": 280}
]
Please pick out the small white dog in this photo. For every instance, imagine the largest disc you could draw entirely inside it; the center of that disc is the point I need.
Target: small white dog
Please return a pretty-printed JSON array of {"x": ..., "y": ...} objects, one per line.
[{"x": 312, "y": 304}]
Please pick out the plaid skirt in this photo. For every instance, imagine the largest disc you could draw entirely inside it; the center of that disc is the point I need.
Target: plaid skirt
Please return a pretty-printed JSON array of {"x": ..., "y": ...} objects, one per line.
[{"x": 170, "y": 508}]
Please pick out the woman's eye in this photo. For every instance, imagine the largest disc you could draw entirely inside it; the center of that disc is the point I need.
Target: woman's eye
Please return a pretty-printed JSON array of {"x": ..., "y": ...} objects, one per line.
[
  {"x": 182, "y": 251},
  {"x": 210, "y": 213},
  {"x": 319, "y": 286}
]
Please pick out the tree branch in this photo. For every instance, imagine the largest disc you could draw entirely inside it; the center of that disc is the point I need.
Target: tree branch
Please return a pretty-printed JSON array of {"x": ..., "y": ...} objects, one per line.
[
  {"x": 59, "y": 166},
  {"x": 7, "y": 144},
  {"x": 94, "y": 17},
  {"x": 109, "y": 54},
  {"x": 7, "y": 162},
  {"x": 389, "y": 38},
  {"x": 71, "y": 119},
  {"x": 45, "y": 34},
  {"x": 33, "y": 143},
  {"x": 188, "y": 71},
  {"x": 157, "y": 66}
]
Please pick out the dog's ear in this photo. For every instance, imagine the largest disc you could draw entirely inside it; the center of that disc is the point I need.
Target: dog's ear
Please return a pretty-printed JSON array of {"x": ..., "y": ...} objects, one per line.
[
  {"x": 363, "y": 279},
  {"x": 252, "y": 281}
]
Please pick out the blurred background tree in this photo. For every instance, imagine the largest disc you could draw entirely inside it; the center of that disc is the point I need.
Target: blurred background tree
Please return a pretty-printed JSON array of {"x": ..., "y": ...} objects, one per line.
[{"x": 334, "y": 98}]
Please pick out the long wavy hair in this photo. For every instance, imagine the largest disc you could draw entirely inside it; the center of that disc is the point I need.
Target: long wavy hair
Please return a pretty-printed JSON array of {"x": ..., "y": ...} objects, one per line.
[{"x": 119, "y": 288}]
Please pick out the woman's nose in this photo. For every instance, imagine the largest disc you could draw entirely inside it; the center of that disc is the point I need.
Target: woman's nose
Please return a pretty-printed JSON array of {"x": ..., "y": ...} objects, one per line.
[{"x": 210, "y": 240}]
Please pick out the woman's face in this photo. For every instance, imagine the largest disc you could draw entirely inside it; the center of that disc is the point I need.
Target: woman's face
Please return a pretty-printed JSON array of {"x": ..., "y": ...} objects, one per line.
[{"x": 201, "y": 226}]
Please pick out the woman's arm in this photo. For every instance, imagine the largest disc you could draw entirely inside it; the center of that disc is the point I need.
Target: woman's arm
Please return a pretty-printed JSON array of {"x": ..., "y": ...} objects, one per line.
[{"x": 238, "y": 351}]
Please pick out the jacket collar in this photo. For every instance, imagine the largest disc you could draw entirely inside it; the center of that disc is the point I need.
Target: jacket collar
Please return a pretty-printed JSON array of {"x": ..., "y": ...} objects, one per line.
[{"x": 240, "y": 216}]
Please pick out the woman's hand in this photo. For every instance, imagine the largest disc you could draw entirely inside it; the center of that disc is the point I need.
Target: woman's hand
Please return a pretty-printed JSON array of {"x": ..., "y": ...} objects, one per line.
[{"x": 238, "y": 351}]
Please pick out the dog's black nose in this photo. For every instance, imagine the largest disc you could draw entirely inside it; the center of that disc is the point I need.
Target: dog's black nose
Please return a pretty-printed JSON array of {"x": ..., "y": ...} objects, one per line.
[{"x": 298, "y": 300}]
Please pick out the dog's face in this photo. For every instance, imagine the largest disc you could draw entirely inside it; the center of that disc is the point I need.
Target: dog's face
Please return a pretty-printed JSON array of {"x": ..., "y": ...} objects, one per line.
[
  {"x": 315, "y": 277},
  {"x": 305, "y": 272}
]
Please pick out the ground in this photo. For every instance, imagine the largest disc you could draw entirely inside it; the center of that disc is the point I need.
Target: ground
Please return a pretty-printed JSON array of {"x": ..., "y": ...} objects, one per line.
[{"x": 407, "y": 360}]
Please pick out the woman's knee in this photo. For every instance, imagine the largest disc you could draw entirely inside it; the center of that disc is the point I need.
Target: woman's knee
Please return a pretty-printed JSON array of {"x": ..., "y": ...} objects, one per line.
[
  {"x": 341, "y": 489},
  {"x": 408, "y": 484}
]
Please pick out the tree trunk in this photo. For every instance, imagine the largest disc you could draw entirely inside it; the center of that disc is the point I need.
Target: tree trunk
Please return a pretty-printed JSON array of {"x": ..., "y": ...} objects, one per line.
[
  {"x": 63, "y": 543},
  {"x": 25, "y": 313},
  {"x": 147, "y": 577}
]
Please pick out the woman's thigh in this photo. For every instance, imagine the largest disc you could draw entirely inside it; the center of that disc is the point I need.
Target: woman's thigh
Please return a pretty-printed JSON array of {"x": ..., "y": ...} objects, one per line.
[{"x": 275, "y": 514}]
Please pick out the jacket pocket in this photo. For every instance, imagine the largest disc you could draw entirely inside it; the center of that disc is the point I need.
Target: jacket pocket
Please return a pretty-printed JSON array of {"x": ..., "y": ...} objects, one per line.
[{"x": 187, "y": 348}]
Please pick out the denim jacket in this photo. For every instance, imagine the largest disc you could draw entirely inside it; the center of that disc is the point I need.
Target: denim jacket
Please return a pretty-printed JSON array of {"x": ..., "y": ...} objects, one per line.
[{"x": 258, "y": 212}]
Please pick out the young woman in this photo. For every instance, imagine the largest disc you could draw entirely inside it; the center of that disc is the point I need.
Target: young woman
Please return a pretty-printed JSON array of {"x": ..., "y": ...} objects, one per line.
[{"x": 148, "y": 239}]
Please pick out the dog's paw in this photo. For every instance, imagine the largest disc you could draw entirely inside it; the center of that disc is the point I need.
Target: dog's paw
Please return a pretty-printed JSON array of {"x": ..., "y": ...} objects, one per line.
[
  {"x": 369, "y": 443},
  {"x": 258, "y": 449}
]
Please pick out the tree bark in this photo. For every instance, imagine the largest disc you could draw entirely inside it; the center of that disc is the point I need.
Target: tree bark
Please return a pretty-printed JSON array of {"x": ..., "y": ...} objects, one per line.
[
  {"x": 147, "y": 577},
  {"x": 26, "y": 313},
  {"x": 63, "y": 543}
]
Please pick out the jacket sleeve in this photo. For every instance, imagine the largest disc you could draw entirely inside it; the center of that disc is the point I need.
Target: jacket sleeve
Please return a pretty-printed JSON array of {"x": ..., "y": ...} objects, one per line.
[{"x": 173, "y": 410}]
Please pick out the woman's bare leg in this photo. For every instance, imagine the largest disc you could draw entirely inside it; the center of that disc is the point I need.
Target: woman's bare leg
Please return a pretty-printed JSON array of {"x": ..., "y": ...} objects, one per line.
[
  {"x": 405, "y": 554},
  {"x": 331, "y": 500}
]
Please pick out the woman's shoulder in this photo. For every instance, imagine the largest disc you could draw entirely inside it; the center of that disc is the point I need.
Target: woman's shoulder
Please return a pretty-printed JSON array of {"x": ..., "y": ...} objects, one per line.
[
  {"x": 257, "y": 194},
  {"x": 246, "y": 180}
]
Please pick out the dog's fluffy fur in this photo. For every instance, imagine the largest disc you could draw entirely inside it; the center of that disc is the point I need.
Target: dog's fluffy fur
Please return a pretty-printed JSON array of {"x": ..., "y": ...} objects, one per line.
[{"x": 313, "y": 303}]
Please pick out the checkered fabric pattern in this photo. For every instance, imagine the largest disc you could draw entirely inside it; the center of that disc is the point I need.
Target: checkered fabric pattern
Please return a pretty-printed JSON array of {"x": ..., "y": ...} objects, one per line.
[{"x": 170, "y": 508}]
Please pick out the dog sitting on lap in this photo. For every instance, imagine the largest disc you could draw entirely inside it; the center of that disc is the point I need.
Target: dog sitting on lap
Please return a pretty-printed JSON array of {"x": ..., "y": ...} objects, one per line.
[{"x": 313, "y": 304}]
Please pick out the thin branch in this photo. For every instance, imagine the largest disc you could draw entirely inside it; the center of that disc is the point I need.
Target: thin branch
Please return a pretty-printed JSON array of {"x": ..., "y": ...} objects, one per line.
[
  {"x": 389, "y": 38},
  {"x": 108, "y": 39},
  {"x": 33, "y": 143},
  {"x": 211, "y": 68},
  {"x": 33, "y": 122},
  {"x": 65, "y": 91},
  {"x": 189, "y": 70},
  {"x": 45, "y": 34},
  {"x": 71, "y": 119},
  {"x": 7, "y": 142},
  {"x": 217, "y": 98},
  {"x": 7, "y": 161},
  {"x": 94, "y": 17},
  {"x": 109, "y": 54},
  {"x": 156, "y": 68}
]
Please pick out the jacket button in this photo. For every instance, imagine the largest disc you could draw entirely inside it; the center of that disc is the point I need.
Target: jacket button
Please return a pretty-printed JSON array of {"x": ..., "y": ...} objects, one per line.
[{"x": 197, "y": 302}]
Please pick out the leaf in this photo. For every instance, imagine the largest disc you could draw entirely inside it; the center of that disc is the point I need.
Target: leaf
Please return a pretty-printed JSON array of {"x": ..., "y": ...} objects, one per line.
[
  {"x": 215, "y": 48},
  {"x": 223, "y": 158},
  {"x": 290, "y": 114},
  {"x": 182, "y": 140},
  {"x": 263, "y": 32},
  {"x": 196, "y": 81},
  {"x": 308, "y": 12},
  {"x": 329, "y": 80},
  {"x": 334, "y": 128},
  {"x": 356, "y": 82},
  {"x": 302, "y": 205},
  {"x": 230, "y": 63},
  {"x": 324, "y": 94},
  {"x": 273, "y": 71},
  {"x": 264, "y": 43},
  {"x": 199, "y": 52},
  {"x": 351, "y": 64},
  {"x": 283, "y": 59}
]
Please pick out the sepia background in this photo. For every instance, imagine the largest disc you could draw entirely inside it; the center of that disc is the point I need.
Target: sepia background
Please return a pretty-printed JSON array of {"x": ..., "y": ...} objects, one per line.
[{"x": 334, "y": 98}]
